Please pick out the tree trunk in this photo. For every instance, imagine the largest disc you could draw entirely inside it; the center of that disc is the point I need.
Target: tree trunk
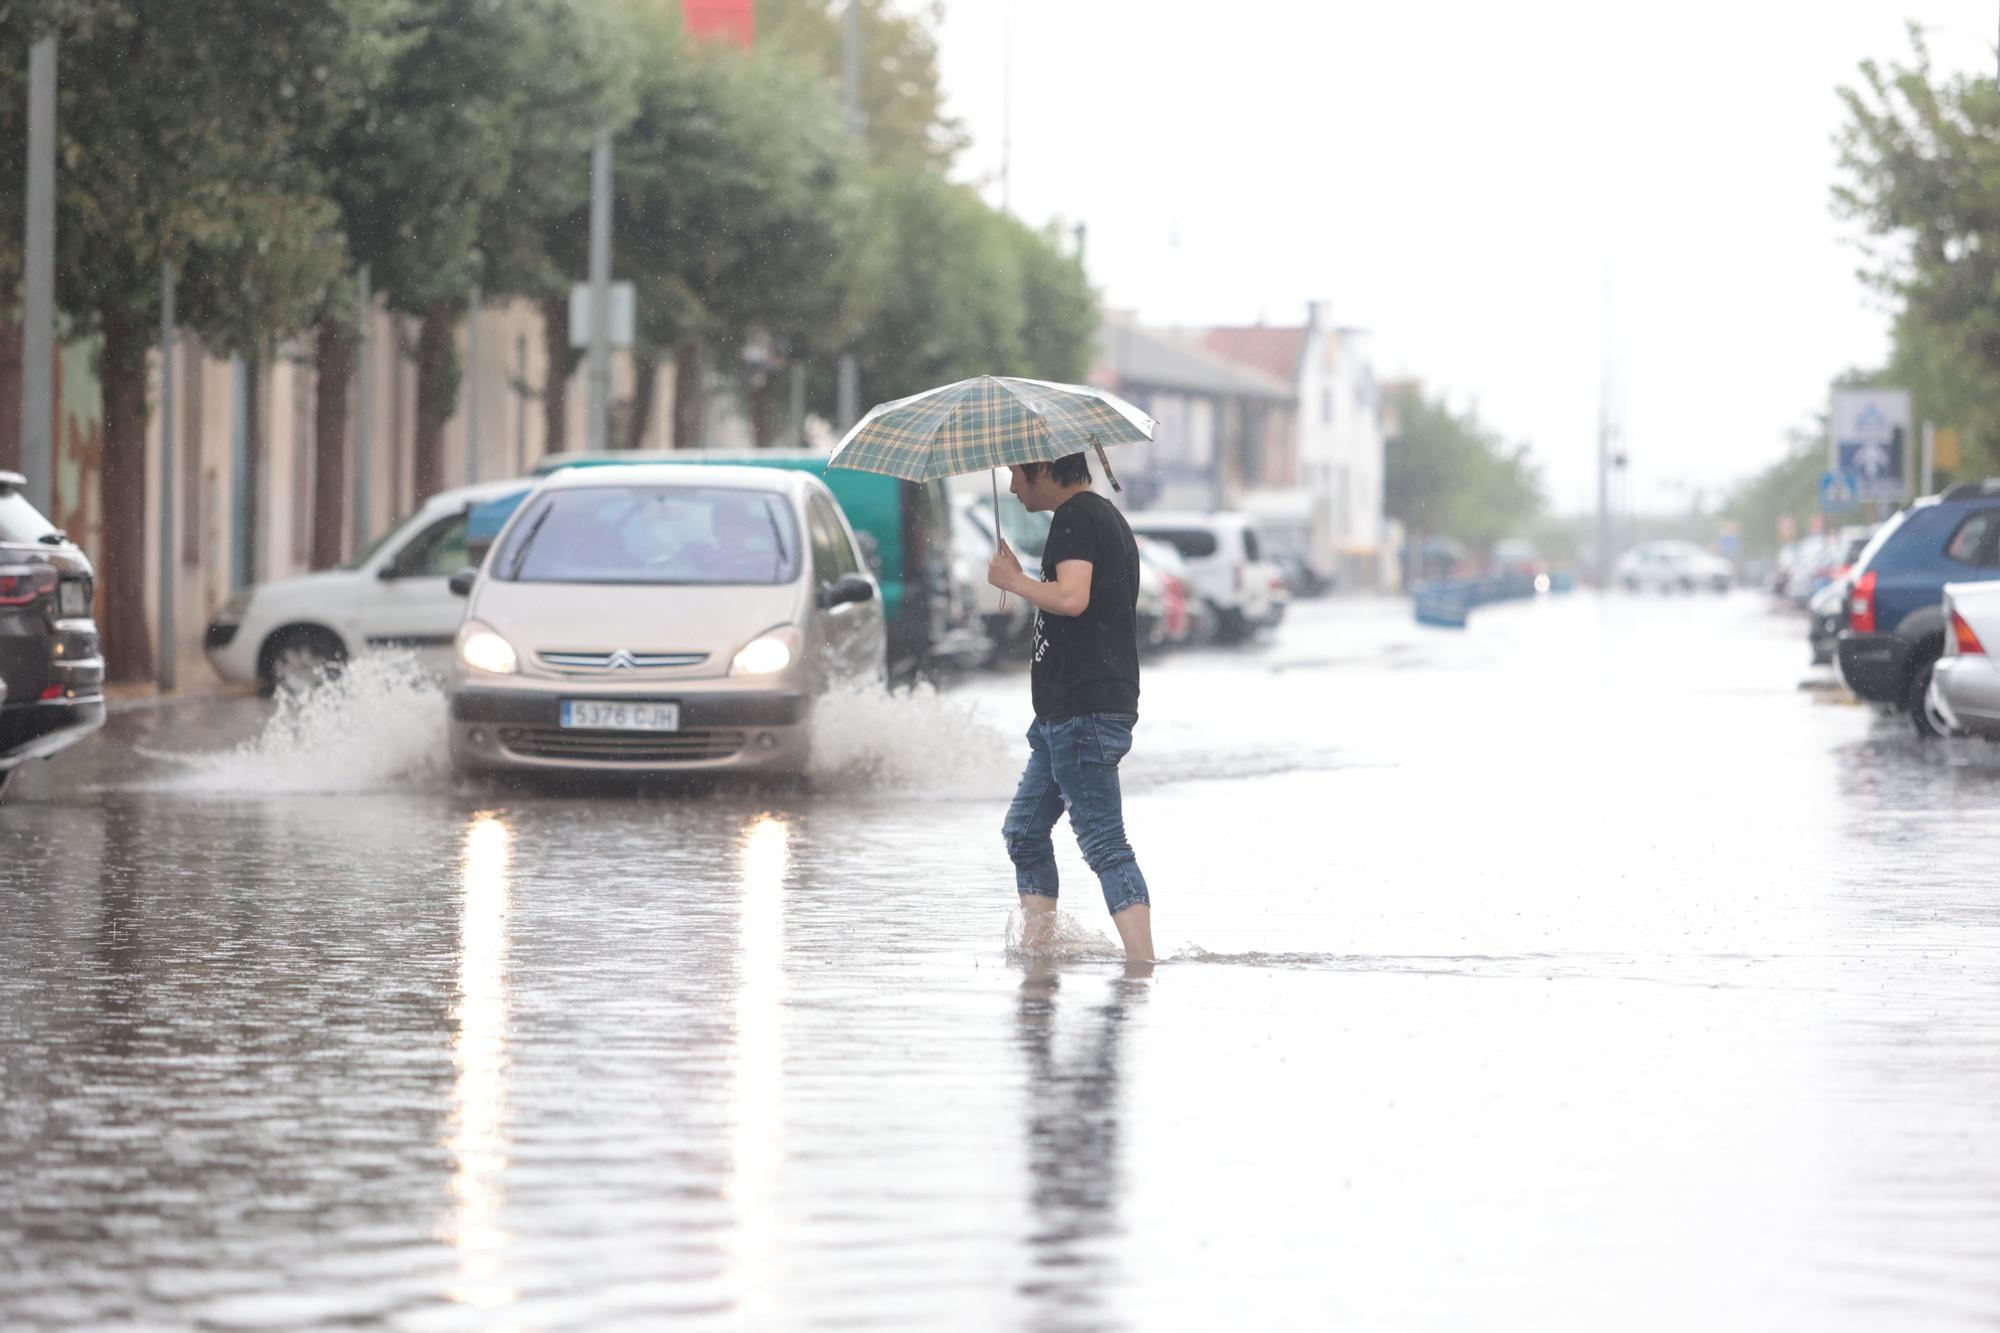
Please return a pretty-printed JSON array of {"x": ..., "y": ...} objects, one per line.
[
  {"x": 555, "y": 379},
  {"x": 689, "y": 379},
  {"x": 121, "y": 373},
  {"x": 334, "y": 359},
  {"x": 763, "y": 412},
  {"x": 437, "y": 394},
  {"x": 11, "y": 336},
  {"x": 645, "y": 378}
]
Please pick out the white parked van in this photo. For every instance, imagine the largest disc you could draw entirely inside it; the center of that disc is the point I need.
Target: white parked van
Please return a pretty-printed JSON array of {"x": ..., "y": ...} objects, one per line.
[{"x": 1228, "y": 567}]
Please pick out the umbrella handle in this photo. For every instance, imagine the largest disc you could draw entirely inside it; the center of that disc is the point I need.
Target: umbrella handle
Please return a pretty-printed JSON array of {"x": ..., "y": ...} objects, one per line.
[
  {"x": 1109, "y": 475},
  {"x": 999, "y": 539}
]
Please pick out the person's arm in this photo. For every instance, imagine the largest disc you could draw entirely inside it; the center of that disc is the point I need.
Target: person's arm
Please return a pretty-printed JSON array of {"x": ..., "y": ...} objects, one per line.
[{"x": 1069, "y": 595}]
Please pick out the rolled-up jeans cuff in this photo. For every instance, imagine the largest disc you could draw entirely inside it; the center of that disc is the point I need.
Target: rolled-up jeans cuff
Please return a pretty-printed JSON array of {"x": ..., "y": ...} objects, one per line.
[
  {"x": 1040, "y": 880},
  {"x": 1124, "y": 887}
]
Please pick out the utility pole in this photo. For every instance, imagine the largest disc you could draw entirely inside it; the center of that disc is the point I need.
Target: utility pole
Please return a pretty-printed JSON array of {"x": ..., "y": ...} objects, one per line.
[
  {"x": 472, "y": 389},
  {"x": 1007, "y": 108},
  {"x": 167, "y": 335},
  {"x": 364, "y": 414},
  {"x": 598, "y": 423},
  {"x": 848, "y": 406},
  {"x": 38, "y": 331}
]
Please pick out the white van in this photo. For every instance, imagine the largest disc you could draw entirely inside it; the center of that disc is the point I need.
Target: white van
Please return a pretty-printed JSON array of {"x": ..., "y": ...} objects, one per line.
[{"x": 1228, "y": 567}]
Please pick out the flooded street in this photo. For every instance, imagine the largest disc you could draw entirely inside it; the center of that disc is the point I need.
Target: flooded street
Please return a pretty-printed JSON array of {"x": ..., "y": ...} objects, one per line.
[{"x": 1576, "y": 971}]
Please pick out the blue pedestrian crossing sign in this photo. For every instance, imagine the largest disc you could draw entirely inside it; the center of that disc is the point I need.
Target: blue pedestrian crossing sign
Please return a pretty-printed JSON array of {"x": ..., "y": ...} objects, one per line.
[
  {"x": 1838, "y": 492},
  {"x": 1871, "y": 442}
]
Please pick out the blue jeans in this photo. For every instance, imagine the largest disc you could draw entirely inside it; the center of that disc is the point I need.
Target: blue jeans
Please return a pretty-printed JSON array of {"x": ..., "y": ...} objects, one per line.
[{"x": 1074, "y": 763}]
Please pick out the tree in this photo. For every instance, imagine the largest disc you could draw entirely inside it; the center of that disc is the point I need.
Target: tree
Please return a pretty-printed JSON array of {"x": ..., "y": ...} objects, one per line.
[
  {"x": 1922, "y": 157},
  {"x": 1445, "y": 474},
  {"x": 178, "y": 122},
  {"x": 901, "y": 95}
]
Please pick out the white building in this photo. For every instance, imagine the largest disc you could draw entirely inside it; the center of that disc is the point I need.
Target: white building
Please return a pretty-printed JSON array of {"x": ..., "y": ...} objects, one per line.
[{"x": 1339, "y": 440}]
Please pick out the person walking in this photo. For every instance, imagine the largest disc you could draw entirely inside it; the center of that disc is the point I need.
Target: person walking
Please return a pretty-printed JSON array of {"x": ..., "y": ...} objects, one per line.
[{"x": 1084, "y": 681}]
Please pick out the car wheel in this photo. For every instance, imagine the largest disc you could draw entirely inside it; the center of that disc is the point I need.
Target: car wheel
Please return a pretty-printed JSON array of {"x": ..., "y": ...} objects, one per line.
[
  {"x": 1929, "y": 724},
  {"x": 299, "y": 659}
]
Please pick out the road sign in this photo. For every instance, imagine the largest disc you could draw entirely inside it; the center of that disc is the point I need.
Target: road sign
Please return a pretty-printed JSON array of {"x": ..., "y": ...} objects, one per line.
[
  {"x": 1944, "y": 445},
  {"x": 1871, "y": 439},
  {"x": 621, "y": 314},
  {"x": 1838, "y": 492},
  {"x": 1788, "y": 527}
]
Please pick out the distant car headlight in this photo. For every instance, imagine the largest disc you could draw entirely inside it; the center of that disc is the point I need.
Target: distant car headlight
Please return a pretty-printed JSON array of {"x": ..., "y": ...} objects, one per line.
[
  {"x": 483, "y": 650},
  {"x": 767, "y": 654}
]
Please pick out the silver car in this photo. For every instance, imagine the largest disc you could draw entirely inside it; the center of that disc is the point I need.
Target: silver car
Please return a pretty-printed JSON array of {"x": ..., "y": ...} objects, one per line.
[
  {"x": 1965, "y": 685},
  {"x": 661, "y": 618}
]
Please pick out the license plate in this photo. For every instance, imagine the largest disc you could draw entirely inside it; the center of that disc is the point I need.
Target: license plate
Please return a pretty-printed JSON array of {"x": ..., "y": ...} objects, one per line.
[
  {"x": 614, "y": 715},
  {"x": 71, "y": 599}
]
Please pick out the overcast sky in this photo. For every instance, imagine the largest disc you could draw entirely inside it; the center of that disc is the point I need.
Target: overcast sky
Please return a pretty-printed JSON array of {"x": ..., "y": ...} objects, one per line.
[{"x": 1467, "y": 179}]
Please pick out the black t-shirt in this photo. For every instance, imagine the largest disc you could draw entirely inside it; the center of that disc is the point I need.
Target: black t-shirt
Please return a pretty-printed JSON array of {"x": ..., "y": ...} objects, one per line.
[{"x": 1090, "y": 663}]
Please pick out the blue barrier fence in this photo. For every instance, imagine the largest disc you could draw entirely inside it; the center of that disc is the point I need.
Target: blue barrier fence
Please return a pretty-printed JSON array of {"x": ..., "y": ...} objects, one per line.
[{"x": 1446, "y": 603}]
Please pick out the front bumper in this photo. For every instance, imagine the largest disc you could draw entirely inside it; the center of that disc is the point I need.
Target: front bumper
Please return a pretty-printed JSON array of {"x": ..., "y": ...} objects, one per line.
[
  {"x": 1966, "y": 690},
  {"x": 1874, "y": 667},
  {"x": 40, "y": 728},
  {"x": 521, "y": 730}
]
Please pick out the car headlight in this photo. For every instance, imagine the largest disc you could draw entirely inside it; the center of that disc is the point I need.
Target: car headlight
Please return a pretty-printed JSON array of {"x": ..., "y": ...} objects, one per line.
[
  {"x": 767, "y": 654},
  {"x": 483, "y": 650}
]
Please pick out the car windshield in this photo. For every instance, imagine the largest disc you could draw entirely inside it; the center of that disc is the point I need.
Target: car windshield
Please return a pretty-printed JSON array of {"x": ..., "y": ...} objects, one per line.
[
  {"x": 1193, "y": 543},
  {"x": 652, "y": 534},
  {"x": 19, "y": 520},
  {"x": 1027, "y": 533}
]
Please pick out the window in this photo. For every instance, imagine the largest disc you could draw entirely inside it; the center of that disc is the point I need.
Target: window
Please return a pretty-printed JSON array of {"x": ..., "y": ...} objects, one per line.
[
  {"x": 1192, "y": 543},
  {"x": 1968, "y": 545},
  {"x": 1252, "y": 548},
  {"x": 19, "y": 520},
  {"x": 1326, "y": 404},
  {"x": 437, "y": 552},
  {"x": 653, "y": 535},
  {"x": 833, "y": 554}
]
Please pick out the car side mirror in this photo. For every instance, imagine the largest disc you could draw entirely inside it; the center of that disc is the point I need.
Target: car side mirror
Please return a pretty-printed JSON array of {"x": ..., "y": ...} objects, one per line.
[
  {"x": 387, "y": 572},
  {"x": 461, "y": 582},
  {"x": 847, "y": 588}
]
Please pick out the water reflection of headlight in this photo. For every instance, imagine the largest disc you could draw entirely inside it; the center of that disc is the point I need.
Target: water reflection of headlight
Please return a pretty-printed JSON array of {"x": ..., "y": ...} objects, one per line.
[
  {"x": 477, "y": 1142},
  {"x": 755, "y": 1144}
]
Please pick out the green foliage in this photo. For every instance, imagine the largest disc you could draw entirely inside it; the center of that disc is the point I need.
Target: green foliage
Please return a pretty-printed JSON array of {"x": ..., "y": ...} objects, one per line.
[
  {"x": 1446, "y": 474},
  {"x": 902, "y": 101},
  {"x": 1788, "y": 486},
  {"x": 1922, "y": 157}
]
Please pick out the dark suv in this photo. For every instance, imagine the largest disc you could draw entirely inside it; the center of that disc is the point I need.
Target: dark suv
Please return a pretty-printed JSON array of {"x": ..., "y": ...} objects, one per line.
[
  {"x": 51, "y": 677},
  {"x": 1895, "y": 602}
]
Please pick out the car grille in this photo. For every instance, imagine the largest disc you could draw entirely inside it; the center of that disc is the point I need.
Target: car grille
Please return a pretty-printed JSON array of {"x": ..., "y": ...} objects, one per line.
[
  {"x": 622, "y": 747},
  {"x": 619, "y": 663}
]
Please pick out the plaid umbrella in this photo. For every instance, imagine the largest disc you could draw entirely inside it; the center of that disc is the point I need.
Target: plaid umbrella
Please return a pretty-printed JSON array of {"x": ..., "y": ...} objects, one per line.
[{"x": 989, "y": 422}]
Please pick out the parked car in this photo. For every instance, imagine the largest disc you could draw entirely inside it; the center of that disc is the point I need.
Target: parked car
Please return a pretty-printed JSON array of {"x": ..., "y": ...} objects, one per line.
[
  {"x": 662, "y": 618},
  {"x": 51, "y": 674},
  {"x": 1670, "y": 565},
  {"x": 1009, "y": 628},
  {"x": 1227, "y": 569},
  {"x": 1896, "y": 626},
  {"x": 1827, "y": 617},
  {"x": 906, "y": 534},
  {"x": 1965, "y": 683},
  {"x": 291, "y": 632},
  {"x": 1178, "y": 623}
]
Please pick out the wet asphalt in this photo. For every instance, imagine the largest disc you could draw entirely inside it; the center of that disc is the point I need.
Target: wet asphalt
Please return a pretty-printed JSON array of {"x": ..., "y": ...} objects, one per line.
[{"x": 1577, "y": 971}]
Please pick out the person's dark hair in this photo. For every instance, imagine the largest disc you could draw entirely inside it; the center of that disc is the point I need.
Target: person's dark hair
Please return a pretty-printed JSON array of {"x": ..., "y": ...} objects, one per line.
[{"x": 1069, "y": 470}]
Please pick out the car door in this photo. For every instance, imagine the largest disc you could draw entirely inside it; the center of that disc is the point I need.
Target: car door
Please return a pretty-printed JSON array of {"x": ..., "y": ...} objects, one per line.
[
  {"x": 410, "y": 604},
  {"x": 852, "y": 632}
]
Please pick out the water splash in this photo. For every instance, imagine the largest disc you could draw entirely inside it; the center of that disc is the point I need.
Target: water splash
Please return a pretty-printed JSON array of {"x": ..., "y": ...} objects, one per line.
[
  {"x": 379, "y": 725},
  {"x": 914, "y": 742},
  {"x": 1068, "y": 941}
]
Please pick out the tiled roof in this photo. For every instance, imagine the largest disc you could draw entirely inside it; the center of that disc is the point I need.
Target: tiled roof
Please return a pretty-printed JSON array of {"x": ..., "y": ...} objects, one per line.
[
  {"x": 1131, "y": 356},
  {"x": 1275, "y": 351}
]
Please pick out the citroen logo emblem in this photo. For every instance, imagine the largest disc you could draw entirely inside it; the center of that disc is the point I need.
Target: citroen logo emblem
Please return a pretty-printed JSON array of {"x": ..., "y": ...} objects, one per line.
[{"x": 621, "y": 661}]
